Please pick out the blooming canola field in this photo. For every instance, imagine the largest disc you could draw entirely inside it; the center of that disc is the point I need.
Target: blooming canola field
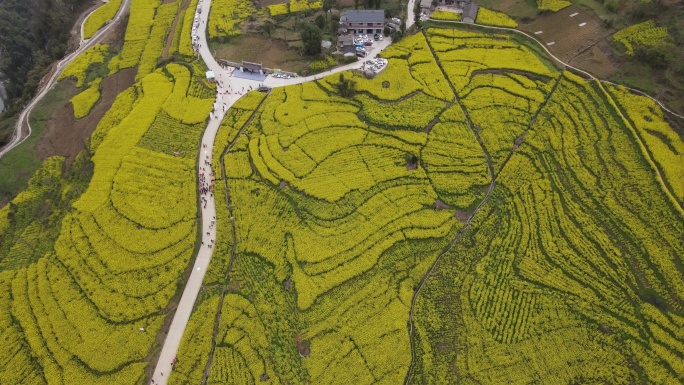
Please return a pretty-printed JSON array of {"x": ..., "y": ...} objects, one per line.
[
  {"x": 530, "y": 187},
  {"x": 473, "y": 214}
]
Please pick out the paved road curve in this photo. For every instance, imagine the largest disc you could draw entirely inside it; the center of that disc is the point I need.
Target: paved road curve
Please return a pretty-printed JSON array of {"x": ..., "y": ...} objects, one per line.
[
  {"x": 208, "y": 210},
  {"x": 18, "y": 137},
  {"x": 229, "y": 90}
]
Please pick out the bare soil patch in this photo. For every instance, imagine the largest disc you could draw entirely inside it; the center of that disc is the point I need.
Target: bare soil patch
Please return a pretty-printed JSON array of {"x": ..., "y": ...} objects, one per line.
[
  {"x": 272, "y": 53},
  {"x": 66, "y": 136},
  {"x": 461, "y": 215},
  {"x": 115, "y": 37},
  {"x": 439, "y": 205},
  {"x": 566, "y": 35},
  {"x": 598, "y": 60}
]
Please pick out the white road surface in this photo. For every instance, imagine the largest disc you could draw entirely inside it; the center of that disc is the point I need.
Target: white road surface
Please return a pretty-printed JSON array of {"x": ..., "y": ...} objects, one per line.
[{"x": 229, "y": 90}]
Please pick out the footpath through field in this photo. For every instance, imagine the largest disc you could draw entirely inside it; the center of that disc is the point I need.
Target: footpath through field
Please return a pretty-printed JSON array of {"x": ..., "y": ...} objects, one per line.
[
  {"x": 229, "y": 90},
  {"x": 17, "y": 138}
]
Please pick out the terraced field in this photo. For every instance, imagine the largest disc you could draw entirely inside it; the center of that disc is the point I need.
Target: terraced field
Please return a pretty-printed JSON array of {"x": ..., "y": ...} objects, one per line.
[
  {"x": 521, "y": 190},
  {"x": 472, "y": 215},
  {"x": 91, "y": 257}
]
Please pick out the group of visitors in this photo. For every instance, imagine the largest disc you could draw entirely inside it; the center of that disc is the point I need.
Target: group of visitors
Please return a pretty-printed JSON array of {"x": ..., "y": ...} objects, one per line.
[
  {"x": 206, "y": 186},
  {"x": 162, "y": 374}
]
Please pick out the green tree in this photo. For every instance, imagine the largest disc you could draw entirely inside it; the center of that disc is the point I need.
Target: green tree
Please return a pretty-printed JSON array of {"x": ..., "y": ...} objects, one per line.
[
  {"x": 346, "y": 87},
  {"x": 311, "y": 38},
  {"x": 327, "y": 6},
  {"x": 320, "y": 21},
  {"x": 268, "y": 27}
]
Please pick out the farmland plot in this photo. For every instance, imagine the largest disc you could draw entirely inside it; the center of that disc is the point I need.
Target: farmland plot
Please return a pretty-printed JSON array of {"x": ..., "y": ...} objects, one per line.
[
  {"x": 559, "y": 276},
  {"x": 544, "y": 207},
  {"x": 567, "y": 32},
  {"x": 76, "y": 310}
]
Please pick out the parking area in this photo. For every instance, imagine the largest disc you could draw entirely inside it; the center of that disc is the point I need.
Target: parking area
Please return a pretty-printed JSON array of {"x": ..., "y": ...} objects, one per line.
[
  {"x": 365, "y": 44},
  {"x": 374, "y": 65}
]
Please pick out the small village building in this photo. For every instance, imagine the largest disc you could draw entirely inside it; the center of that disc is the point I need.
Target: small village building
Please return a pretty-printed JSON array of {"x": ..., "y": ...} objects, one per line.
[
  {"x": 211, "y": 77},
  {"x": 427, "y": 6},
  {"x": 349, "y": 50},
  {"x": 255, "y": 68},
  {"x": 345, "y": 40},
  {"x": 456, "y": 3},
  {"x": 369, "y": 21},
  {"x": 470, "y": 12}
]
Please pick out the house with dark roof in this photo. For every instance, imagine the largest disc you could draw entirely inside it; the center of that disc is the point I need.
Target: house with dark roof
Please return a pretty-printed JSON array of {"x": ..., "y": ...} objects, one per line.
[
  {"x": 470, "y": 12},
  {"x": 362, "y": 21}
]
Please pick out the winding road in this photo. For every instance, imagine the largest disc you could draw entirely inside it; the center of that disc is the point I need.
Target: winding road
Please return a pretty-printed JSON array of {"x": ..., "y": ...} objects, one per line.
[{"x": 19, "y": 136}]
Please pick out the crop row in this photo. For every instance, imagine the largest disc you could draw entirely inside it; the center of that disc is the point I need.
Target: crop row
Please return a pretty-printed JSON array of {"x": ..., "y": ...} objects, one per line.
[
  {"x": 85, "y": 101},
  {"x": 165, "y": 14},
  {"x": 330, "y": 225},
  {"x": 140, "y": 22},
  {"x": 445, "y": 15},
  {"x": 454, "y": 162},
  {"x": 463, "y": 54},
  {"x": 227, "y": 15},
  {"x": 552, "y": 5},
  {"x": 399, "y": 80},
  {"x": 498, "y": 19},
  {"x": 645, "y": 33},
  {"x": 663, "y": 143},
  {"x": 78, "y": 68},
  {"x": 558, "y": 257},
  {"x": 293, "y": 6},
  {"x": 100, "y": 17},
  {"x": 78, "y": 311},
  {"x": 184, "y": 30}
]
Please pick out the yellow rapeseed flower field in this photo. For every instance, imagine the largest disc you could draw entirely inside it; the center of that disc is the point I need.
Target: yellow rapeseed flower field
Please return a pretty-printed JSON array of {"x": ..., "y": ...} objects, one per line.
[{"x": 472, "y": 214}]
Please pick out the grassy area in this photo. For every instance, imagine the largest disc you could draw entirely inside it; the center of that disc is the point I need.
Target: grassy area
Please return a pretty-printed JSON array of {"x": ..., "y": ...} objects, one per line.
[
  {"x": 17, "y": 166},
  {"x": 663, "y": 85},
  {"x": 272, "y": 53},
  {"x": 280, "y": 48},
  {"x": 597, "y": 7}
]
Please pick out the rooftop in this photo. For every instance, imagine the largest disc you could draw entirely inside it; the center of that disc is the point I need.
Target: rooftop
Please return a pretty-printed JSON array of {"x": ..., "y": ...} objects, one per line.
[
  {"x": 365, "y": 16},
  {"x": 470, "y": 10}
]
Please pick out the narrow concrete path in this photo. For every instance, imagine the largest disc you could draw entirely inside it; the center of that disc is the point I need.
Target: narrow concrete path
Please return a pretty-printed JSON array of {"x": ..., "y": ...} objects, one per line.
[
  {"x": 208, "y": 209},
  {"x": 229, "y": 90},
  {"x": 18, "y": 136}
]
